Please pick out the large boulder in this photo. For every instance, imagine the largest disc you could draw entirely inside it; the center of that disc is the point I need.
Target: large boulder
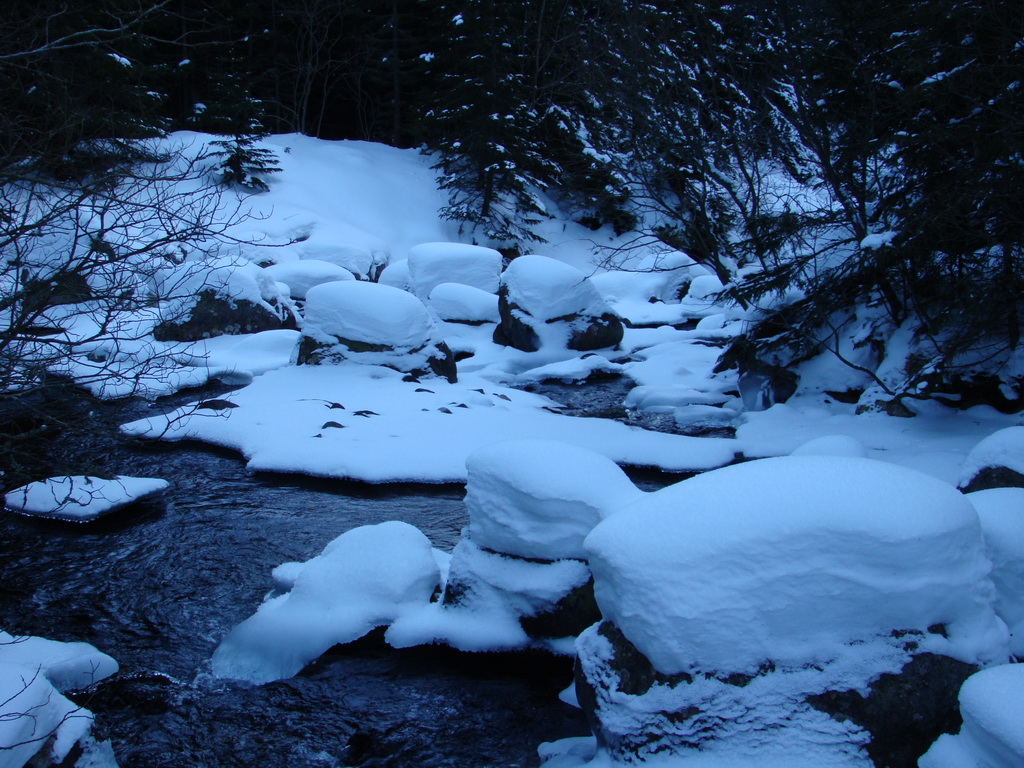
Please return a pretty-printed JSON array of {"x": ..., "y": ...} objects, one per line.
[
  {"x": 431, "y": 264},
  {"x": 547, "y": 303},
  {"x": 768, "y": 587},
  {"x": 372, "y": 324},
  {"x": 458, "y": 303},
  {"x": 1001, "y": 511}
]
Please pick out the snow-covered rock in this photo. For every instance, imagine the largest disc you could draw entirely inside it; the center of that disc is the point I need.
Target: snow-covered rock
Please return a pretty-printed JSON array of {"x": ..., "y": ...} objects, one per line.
[
  {"x": 1001, "y": 511},
  {"x": 372, "y": 324},
  {"x": 995, "y": 462},
  {"x": 458, "y": 303},
  {"x": 992, "y": 705},
  {"x": 81, "y": 498},
  {"x": 745, "y": 564},
  {"x": 545, "y": 303},
  {"x": 763, "y": 589},
  {"x": 365, "y": 578},
  {"x": 200, "y": 299},
  {"x": 396, "y": 275},
  {"x": 302, "y": 275},
  {"x": 431, "y": 264},
  {"x": 540, "y": 498},
  {"x": 68, "y": 666},
  {"x": 36, "y": 721}
]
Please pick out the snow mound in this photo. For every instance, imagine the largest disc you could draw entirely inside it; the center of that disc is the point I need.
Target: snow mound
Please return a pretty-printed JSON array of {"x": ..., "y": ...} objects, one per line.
[
  {"x": 81, "y": 498},
  {"x": 576, "y": 369},
  {"x": 540, "y": 498},
  {"x": 785, "y": 559},
  {"x": 1001, "y": 511},
  {"x": 431, "y": 264},
  {"x": 365, "y": 578},
  {"x": 396, "y": 275},
  {"x": 366, "y": 312},
  {"x": 548, "y": 289},
  {"x": 302, "y": 275},
  {"x": 464, "y": 303},
  {"x": 1004, "y": 448},
  {"x": 992, "y": 705}
]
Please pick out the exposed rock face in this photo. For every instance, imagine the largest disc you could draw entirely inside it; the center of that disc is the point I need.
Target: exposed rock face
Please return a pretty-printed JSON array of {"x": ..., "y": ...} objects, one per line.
[
  {"x": 216, "y": 315},
  {"x": 372, "y": 324},
  {"x": 545, "y": 303},
  {"x": 635, "y": 710}
]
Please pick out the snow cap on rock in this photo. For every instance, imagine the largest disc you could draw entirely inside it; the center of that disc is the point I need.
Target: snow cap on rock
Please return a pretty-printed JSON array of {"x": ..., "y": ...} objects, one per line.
[
  {"x": 781, "y": 559},
  {"x": 366, "y": 312},
  {"x": 302, "y": 275},
  {"x": 431, "y": 264},
  {"x": 1002, "y": 449},
  {"x": 540, "y": 498},
  {"x": 548, "y": 289}
]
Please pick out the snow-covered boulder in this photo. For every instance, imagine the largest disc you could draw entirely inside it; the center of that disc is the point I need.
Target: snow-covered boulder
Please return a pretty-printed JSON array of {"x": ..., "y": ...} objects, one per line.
[
  {"x": 431, "y": 264},
  {"x": 992, "y": 705},
  {"x": 365, "y": 578},
  {"x": 199, "y": 300},
  {"x": 995, "y": 462},
  {"x": 372, "y": 324},
  {"x": 756, "y": 587},
  {"x": 547, "y": 303},
  {"x": 81, "y": 498},
  {"x": 36, "y": 721},
  {"x": 832, "y": 445},
  {"x": 396, "y": 274},
  {"x": 540, "y": 498},
  {"x": 458, "y": 303},
  {"x": 1001, "y": 511},
  {"x": 302, "y": 275}
]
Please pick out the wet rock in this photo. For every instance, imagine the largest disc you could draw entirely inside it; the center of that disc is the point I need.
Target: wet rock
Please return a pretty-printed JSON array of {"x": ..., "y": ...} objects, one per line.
[{"x": 216, "y": 315}]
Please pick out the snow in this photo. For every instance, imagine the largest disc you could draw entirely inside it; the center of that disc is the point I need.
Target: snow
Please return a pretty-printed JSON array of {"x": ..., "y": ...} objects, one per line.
[
  {"x": 81, "y": 498},
  {"x": 431, "y": 264},
  {"x": 365, "y": 578},
  {"x": 992, "y": 705},
  {"x": 366, "y": 312},
  {"x": 1001, "y": 511},
  {"x": 576, "y": 369},
  {"x": 33, "y": 715},
  {"x": 747, "y": 563},
  {"x": 832, "y": 445},
  {"x": 68, "y": 666},
  {"x": 463, "y": 303},
  {"x": 548, "y": 289},
  {"x": 401, "y": 431},
  {"x": 540, "y": 498},
  {"x": 1004, "y": 448},
  {"x": 300, "y": 276}
]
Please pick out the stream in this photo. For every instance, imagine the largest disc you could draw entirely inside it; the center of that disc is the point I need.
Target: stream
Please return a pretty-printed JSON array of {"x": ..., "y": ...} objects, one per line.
[{"x": 159, "y": 586}]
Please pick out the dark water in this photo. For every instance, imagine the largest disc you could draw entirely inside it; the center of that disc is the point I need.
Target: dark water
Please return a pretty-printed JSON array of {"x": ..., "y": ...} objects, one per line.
[{"x": 158, "y": 588}]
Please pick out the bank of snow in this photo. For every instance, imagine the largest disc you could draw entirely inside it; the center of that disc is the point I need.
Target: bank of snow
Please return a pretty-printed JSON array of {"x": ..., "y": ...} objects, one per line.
[
  {"x": 81, "y": 498},
  {"x": 366, "y": 423}
]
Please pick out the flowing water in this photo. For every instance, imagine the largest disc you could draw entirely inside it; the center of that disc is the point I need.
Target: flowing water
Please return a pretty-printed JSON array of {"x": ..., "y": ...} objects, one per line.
[{"x": 158, "y": 588}]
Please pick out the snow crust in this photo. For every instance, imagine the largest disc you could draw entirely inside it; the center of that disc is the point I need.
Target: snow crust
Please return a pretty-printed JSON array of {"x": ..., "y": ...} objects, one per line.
[
  {"x": 992, "y": 705},
  {"x": 785, "y": 559},
  {"x": 365, "y": 578},
  {"x": 540, "y": 498},
  {"x": 1004, "y": 448},
  {"x": 431, "y": 264},
  {"x": 68, "y": 666},
  {"x": 81, "y": 498}
]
